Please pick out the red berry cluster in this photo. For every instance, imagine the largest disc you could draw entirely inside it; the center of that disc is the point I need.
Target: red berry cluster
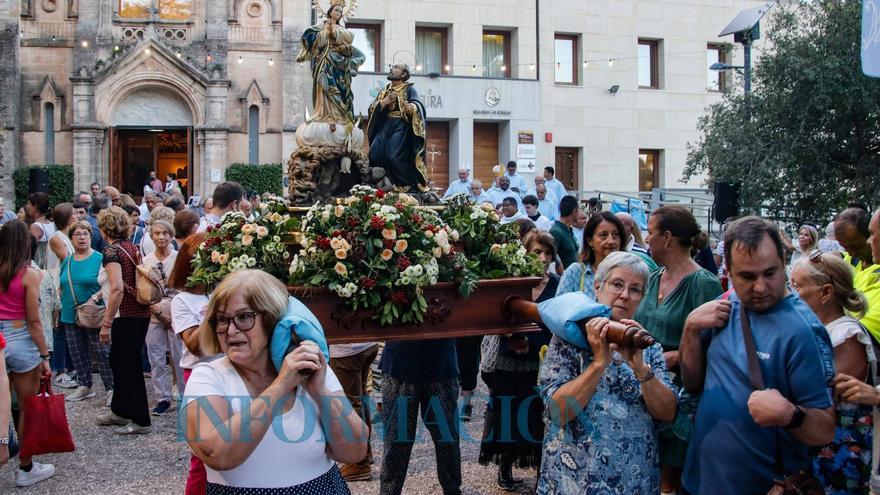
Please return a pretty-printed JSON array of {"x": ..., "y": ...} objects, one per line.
[
  {"x": 377, "y": 223},
  {"x": 399, "y": 205},
  {"x": 322, "y": 242},
  {"x": 388, "y": 243},
  {"x": 417, "y": 218},
  {"x": 399, "y": 297},
  {"x": 336, "y": 233},
  {"x": 352, "y": 222},
  {"x": 368, "y": 283},
  {"x": 380, "y": 194},
  {"x": 403, "y": 263},
  {"x": 368, "y": 198}
]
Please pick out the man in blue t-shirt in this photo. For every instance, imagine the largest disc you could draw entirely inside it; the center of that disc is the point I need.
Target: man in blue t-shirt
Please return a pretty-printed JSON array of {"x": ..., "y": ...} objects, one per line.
[{"x": 738, "y": 429}]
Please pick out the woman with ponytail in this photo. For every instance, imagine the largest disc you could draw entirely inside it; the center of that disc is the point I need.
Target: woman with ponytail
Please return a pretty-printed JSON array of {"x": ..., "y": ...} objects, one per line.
[
  {"x": 675, "y": 289},
  {"x": 825, "y": 283}
]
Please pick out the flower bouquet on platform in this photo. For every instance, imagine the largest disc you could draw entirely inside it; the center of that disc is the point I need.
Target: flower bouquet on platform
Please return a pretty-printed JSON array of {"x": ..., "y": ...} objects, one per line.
[
  {"x": 397, "y": 271},
  {"x": 240, "y": 242}
]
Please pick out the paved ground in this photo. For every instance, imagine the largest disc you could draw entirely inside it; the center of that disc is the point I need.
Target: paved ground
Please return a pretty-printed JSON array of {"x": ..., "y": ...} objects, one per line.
[{"x": 156, "y": 464}]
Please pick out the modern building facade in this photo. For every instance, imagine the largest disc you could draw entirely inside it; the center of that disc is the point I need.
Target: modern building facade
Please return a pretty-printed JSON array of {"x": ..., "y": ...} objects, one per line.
[{"x": 608, "y": 92}]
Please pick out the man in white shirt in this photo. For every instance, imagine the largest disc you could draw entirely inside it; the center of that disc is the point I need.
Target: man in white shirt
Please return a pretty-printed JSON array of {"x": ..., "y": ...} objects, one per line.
[
  {"x": 510, "y": 210},
  {"x": 502, "y": 191},
  {"x": 554, "y": 185},
  {"x": 517, "y": 182},
  {"x": 227, "y": 197},
  {"x": 150, "y": 201},
  {"x": 459, "y": 186},
  {"x": 477, "y": 194},
  {"x": 530, "y": 204},
  {"x": 578, "y": 228},
  {"x": 547, "y": 205}
]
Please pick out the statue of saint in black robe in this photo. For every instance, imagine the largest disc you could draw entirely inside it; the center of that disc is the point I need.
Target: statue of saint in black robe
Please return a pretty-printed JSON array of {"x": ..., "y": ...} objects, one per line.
[{"x": 397, "y": 135}]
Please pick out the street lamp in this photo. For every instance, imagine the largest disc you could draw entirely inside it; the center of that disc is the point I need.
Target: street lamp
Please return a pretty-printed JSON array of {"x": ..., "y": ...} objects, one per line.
[{"x": 718, "y": 66}]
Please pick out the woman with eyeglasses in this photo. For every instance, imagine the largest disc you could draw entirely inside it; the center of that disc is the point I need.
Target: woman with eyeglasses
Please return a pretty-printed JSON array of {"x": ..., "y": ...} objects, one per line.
[
  {"x": 604, "y": 403},
  {"x": 678, "y": 287},
  {"x": 160, "y": 336},
  {"x": 513, "y": 428},
  {"x": 825, "y": 283},
  {"x": 603, "y": 235},
  {"x": 79, "y": 284},
  {"x": 312, "y": 423}
]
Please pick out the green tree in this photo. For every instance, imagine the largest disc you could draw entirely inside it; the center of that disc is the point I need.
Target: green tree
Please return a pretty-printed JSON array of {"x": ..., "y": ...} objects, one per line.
[{"x": 806, "y": 141}]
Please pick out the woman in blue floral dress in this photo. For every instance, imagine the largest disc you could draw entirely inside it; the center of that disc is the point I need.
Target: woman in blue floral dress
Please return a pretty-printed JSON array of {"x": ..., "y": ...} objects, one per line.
[
  {"x": 604, "y": 404},
  {"x": 825, "y": 283}
]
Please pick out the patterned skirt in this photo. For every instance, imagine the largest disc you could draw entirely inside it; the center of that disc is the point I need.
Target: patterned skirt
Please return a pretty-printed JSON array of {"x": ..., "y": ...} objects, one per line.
[
  {"x": 329, "y": 483},
  {"x": 844, "y": 465}
]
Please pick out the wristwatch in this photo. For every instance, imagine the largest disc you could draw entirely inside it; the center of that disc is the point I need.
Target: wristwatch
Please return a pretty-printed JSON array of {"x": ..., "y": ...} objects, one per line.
[
  {"x": 797, "y": 419},
  {"x": 4, "y": 440}
]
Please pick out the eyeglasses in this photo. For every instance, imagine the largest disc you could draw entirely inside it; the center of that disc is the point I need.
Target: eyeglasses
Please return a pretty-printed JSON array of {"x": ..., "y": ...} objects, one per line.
[
  {"x": 617, "y": 287},
  {"x": 243, "y": 321},
  {"x": 815, "y": 256},
  {"x": 81, "y": 233}
]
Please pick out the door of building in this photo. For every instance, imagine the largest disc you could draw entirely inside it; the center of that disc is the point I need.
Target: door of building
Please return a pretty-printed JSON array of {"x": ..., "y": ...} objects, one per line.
[
  {"x": 567, "y": 167},
  {"x": 485, "y": 152},
  {"x": 136, "y": 151},
  {"x": 437, "y": 155}
]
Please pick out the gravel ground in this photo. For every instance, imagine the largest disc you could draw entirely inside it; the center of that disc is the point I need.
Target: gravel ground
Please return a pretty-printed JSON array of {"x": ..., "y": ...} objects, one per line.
[{"x": 156, "y": 464}]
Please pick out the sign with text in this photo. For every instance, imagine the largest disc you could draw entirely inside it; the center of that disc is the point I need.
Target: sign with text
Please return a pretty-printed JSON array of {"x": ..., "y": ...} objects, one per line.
[
  {"x": 871, "y": 37},
  {"x": 525, "y": 137}
]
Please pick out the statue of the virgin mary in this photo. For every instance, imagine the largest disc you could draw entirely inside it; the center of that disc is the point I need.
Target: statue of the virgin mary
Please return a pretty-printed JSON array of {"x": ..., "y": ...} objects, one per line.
[{"x": 334, "y": 62}]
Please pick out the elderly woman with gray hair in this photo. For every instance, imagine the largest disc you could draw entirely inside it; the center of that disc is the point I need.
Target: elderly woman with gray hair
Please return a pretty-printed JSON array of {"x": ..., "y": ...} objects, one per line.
[{"x": 604, "y": 403}]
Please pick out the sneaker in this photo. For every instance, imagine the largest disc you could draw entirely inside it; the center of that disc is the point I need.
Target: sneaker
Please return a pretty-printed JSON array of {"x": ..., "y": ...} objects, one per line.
[
  {"x": 111, "y": 419},
  {"x": 64, "y": 381},
  {"x": 38, "y": 473},
  {"x": 356, "y": 472},
  {"x": 132, "y": 428},
  {"x": 161, "y": 407},
  {"x": 109, "y": 398},
  {"x": 81, "y": 393}
]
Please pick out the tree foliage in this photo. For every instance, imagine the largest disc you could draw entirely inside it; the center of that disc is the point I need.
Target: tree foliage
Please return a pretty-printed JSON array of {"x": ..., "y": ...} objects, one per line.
[
  {"x": 260, "y": 179},
  {"x": 806, "y": 141}
]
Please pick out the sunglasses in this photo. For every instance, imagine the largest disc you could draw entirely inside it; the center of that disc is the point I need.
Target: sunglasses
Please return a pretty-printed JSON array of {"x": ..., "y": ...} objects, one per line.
[{"x": 815, "y": 256}]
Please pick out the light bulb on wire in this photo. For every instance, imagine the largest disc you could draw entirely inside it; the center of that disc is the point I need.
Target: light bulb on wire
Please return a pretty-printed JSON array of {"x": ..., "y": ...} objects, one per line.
[
  {"x": 610, "y": 62},
  {"x": 419, "y": 68},
  {"x": 85, "y": 44},
  {"x": 240, "y": 60},
  {"x": 447, "y": 68},
  {"x": 271, "y": 62}
]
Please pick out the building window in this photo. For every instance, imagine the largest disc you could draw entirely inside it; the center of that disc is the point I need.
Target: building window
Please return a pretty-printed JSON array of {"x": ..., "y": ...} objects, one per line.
[
  {"x": 49, "y": 134},
  {"x": 254, "y": 135},
  {"x": 496, "y": 54},
  {"x": 649, "y": 64},
  {"x": 649, "y": 169},
  {"x": 565, "y": 57},
  {"x": 178, "y": 10},
  {"x": 367, "y": 39},
  {"x": 714, "y": 78},
  {"x": 175, "y": 10},
  {"x": 135, "y": 9},
  {"x": 431, "y": 49}
]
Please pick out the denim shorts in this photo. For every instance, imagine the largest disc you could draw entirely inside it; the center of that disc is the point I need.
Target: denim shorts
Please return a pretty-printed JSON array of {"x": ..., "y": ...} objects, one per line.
[{"x": 22, "y": 354}]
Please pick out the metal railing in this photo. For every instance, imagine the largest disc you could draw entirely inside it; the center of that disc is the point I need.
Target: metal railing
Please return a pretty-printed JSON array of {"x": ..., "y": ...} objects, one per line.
[{"x": 698, "y": 201}]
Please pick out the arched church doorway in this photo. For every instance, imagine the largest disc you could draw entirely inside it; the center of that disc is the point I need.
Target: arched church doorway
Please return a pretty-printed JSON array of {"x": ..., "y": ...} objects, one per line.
[{"x": 151, "y": 131}]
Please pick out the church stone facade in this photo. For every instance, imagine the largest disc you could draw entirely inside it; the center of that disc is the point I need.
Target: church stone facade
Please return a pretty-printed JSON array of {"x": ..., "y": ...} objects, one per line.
[{"x": 121, "y": 87}]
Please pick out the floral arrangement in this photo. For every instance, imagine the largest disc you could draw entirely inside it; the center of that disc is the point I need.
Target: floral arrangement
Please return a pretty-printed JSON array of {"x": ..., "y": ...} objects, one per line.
[
  {"x": 240, "y": 242},
  {"x": 378, "y": 251},
  {"x": 493, "y": 248}
]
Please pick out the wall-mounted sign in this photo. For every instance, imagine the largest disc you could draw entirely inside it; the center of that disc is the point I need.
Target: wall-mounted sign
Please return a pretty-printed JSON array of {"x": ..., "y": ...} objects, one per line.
[
  {"x": 493, "y": 96},
  {"x": 525, "y": 137},
  {"x": 525, "y": 152}
]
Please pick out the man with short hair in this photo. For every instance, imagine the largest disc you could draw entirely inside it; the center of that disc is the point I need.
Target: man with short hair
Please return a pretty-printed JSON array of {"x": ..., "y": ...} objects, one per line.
[
  {"x": 175, "y": 202},
  {"x": 151, "y": 200},
  {"x": 547, "y": 205},
  {"x": 154, "y": 182},
  {"x": 530, "y": 204},
  {"x": 743, "y": 422},
  {"x": 554, "y": 185},
  {"x": 517, "y": 182},
  {"x": 509, "y": 210},
  {"x": 632, "y": 245},
  {"x": 566, "y": 245},
  {"x": 227, "y": 197},
  {"x": 101, "y": 202},
  {"x": 113, "y": 194},
  {"x": 459, "y": 186},
  {"x": 503, "y": 191},
  {"x": 95, "y": 189},
  {"x": 852, "y": 230},
  {"x": 477, "y": 194}
]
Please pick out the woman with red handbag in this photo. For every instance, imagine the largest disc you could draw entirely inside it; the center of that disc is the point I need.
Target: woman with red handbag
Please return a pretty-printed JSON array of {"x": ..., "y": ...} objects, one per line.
[{"x": 27, "y": 354}]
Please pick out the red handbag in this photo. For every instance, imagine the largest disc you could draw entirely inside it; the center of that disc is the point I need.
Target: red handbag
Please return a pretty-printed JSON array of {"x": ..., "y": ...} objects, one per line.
[{"x": 45, "y": 426}]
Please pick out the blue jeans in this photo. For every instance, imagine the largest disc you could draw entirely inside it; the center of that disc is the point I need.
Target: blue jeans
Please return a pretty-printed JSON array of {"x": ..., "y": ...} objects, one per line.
[{"x": 60, "y": 360}]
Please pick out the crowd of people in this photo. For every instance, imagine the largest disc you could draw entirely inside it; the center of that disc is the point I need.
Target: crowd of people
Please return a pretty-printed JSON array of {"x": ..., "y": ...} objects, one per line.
[{"x": 762, "y": 372}]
